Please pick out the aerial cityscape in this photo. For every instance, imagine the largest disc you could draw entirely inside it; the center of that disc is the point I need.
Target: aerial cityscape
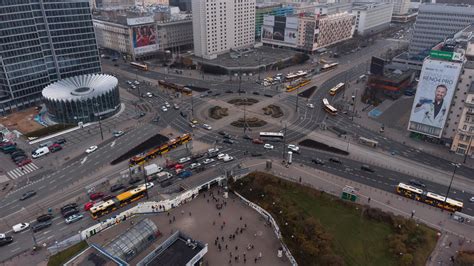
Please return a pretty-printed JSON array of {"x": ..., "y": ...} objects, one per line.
[{"x": 235, "y": 132}]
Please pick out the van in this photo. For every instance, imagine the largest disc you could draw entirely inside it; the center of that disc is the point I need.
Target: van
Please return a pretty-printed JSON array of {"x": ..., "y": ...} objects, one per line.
[{"x": 40, "y": 152}]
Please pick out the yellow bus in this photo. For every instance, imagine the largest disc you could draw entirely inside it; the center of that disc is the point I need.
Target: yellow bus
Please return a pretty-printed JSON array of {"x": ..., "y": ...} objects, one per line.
[
  {"x": 139, "y": 66},
  {"x": 339, "y": 87},
  {"x": 329, "y": 108}
]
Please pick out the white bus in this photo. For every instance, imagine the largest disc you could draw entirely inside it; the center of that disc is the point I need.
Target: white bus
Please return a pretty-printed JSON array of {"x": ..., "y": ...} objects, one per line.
[{"x": 271, "y": 135}]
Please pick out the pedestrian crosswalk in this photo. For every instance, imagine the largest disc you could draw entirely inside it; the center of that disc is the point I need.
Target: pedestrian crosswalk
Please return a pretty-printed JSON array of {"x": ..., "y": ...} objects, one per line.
[{"x": 19, "y": 171}]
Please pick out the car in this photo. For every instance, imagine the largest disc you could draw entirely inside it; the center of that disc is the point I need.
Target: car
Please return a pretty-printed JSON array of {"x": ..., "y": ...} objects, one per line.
[
  {"x": 70, "y": 212},
  {"x": 5, "y": 240},
  {"x": 89, "y": 205},
  {"x": 178, "y": 166},
  {"x": 256, "y": 93},
  {"x": 246, "y": 137},
  {"x": 109, "y": 197},
  {"x": 367, "y": 168},
  {"x": 335, "y": 160},
  {"x": 229, "y": 91},
  {"x": 293, "y": 147},
  {"x": 40, "y": 226},
  {"x": 228, "y": 141},
  {"x": 176, "y": 106},
  {"x": 117, "y": 187},
  {"x": 55, "y": 147},
  {"x": 17, "y": 153},
  {"x": 164, "y": 109},
  {"x": 471, "y": 199},
  {"x": 141, "y": 114},
  {"x": 69, "y": 206},
  {"x": 183, "y": 114},
  {"x": 167, "y": 104},
  {"x": 192, "y": 125},
  {"x": 208, "y": 161},
  {"x": 149, "y": 185},
  {"x": 96, "y": 195},
  {"x": 185, "y": 174},
  {"x": 213, "y": 150},
  {"x": 19, "y": 158},
  {"x": 184, "y": 159},
  {"x": 20, "y": 227},
  {"x": 91, "y": 149},
  {"x": 222, "y": 133},
  {"x": 228, "y": 158},
  {"x": 268, "y": 146},
  {"x": 73, "y": 218},
  {"x": 194, "y": 165},
  {"x": 310, "y": 105},
  {"x": 28, "y": 195},
  {"x": 317, "y": 161},
  {"x": 156, "y": 119},
  {"x": 46, "y": 144},
  {"x": 136, "y": 82},
  {"x": 23, "y": 162},
  {"x": 44, "y": 218},
  {"x": 206, "y": 126},
  {"x": 221, "y": 156},
  {"x": 257, "y": 141},
  {"x": 133, "y": 87},
  {"x": 417, "y": 183},
  {"x": 256, "y": 154},
  {"x": 149, "y": 95},
  {"x": 118, "y": 133},
  {"x": 129, "y": 82}
]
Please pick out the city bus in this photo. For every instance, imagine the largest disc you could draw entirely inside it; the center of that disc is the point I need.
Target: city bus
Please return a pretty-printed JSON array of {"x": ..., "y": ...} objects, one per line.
[
  {"x": 339, "y": 87},
  {"x": 329, "y": 108},
  {"x": 368, "y": 142},
  {"x": 430, "y": 198},
  {"x": 271, "y": 135},
  {"x": 327, "y": 67},
  {"x": 118, "y": 201},
  {"x": 297, "y": 75},
  {"x": 139, "y": 66},
  {"x": 298, "y": 85}
]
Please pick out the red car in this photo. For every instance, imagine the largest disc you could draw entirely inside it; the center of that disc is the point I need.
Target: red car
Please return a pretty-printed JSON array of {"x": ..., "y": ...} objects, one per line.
[
  {"x": 55, "y": 147},
  {"x": 8, "y": 143},
  {"x": 178, "y": 166},
  {"x": 97, "y": 195},
  {"x": 257, "y": 141},
  {"x": 89, "y": 205},
  {"x": 24, "y": 162},
  {"x": 170, "y": 164}
]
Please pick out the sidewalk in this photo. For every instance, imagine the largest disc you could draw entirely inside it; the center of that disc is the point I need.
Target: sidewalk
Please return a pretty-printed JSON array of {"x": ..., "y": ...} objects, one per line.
[{"x": 461, "y": 235}]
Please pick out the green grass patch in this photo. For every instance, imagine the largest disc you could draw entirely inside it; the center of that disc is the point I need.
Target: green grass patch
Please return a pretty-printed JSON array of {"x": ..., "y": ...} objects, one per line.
[
  {"x": 321, "y": 229},
  {"x": 65, "y": 255},
  {"x": 45, "y": 131}
]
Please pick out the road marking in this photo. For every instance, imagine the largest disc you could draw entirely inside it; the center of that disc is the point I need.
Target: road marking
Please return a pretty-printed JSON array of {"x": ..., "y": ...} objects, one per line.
[
  {"x": 84, "y": 160},
  {"x": 44, "y": 233},
  {"x": 60, "y": 222},
  {"x": 49, "y": 237},
  {"x": 25, "y": 231},
  {"x": 13, "y": 250},
  {"x": 40, "y": 188},
  {"x": 64, "y": 228},
  {"x": 112, "y": 144}
]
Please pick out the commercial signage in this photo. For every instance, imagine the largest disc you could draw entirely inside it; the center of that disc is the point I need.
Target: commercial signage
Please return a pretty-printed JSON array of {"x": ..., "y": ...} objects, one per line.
[
  {"x": 281, "y": 29},
  {"x": 144, "y": 39},
  {"x": 445, "y": 55},
  {"x": 433, "y": 97},
  {"x": 139, "y": 21}
]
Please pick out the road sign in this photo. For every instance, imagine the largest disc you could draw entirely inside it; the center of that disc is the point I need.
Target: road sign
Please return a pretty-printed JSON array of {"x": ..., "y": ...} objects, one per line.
[{"x": 349, "y": 196}]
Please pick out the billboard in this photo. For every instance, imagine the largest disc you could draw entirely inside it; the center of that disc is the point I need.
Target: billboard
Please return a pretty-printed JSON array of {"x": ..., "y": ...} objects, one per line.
[
  {"x": 436, "y": 86},
  {"x": 280, "y": 28},
  {"x": 144, "y": 39}
]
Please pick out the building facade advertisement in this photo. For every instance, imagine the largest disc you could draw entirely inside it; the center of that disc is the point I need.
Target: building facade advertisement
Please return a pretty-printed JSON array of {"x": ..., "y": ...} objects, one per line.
[
  {"x": 144, "y": 39},
  {"x": 281, "y": 29},
  {"x": 433, "y": 97}
]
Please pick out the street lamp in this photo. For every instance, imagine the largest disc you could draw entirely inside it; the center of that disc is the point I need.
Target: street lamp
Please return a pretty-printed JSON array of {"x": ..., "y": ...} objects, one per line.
[
  {"x": 456, "y": 166},
  {"x": 353, "y": 104},
  {"x": 100, "y": 122},
  {"x": 468, "y": 148}
]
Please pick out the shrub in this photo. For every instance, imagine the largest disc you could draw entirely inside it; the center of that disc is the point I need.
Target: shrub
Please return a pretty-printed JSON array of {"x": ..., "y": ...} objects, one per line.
[{"x": 48, "y": 130}]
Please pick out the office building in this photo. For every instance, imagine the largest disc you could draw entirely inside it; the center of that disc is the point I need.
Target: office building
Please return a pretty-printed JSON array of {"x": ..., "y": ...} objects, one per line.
[
  {"x": 372, "y": 17},
  {"x": 114, "y": 4},
  {"x": 400, "y": 7},
  {"x": 272, "y": 9},
  {"x": 332, "y": 8},
  {"x": 436, "y": 22},
  {"x": 42, "y": 42},
  {"x": 221, "y": 25}
]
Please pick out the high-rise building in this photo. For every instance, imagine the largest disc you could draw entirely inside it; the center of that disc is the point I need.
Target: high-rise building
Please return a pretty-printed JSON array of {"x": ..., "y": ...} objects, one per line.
[
  {"x": 221, "y": 25},
  {"x": 274, "y": 9},
  {"x": 400, "y": 7},
  {"x": 42, "y": 41},
  {"x": 436, "y": 22},
  {"x": 372, "y": 17}
]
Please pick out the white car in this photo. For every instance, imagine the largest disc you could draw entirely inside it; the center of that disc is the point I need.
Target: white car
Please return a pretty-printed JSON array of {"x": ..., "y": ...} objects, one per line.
[
  {"x": 213, "y": 150},
  {"x": 164, "y": 109},
  {"x": 149, "y": 95},
  {"x": 194, "y": 165},
  {"x": 184, "y": 159},
  {"x": 129, "y": 82},
  {"x": 471, "y": 199},
  {"x": 206, "y": 126},
  {"x": 293, "y": 147},
  {"x": 136, "y": 82},
  {"x": 221, "y": 156},
  {"x": 91, "y": 149},
  {"x": 268, "y": 146},
  {"x": 208, "y": 161},
  {"x": 149, "y": 185},
  {"x": 310, "y": 105},
  {"x": 175, "y": 106},
  {"x": 20, "y": 227},
  {"x": 167, "y": 104},
  {"x": 228, "y": 158}
]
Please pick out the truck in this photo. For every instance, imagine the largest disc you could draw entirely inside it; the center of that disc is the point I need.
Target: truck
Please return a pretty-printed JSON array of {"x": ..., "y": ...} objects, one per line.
[{"x": 152, "y": 169}]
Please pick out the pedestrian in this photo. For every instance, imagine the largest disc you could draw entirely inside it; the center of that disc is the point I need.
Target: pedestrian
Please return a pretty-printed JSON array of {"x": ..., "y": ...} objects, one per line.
[
  {"x": 189, "y": 213},
  {"x": 368, "y": 200},
  {"x": 241, "y": 229},
  {"x": 207, "y": 200},
  {"x": 241, "y": 218},
  {"x": 450, "y": 243},
  {"x": 236, "y": 247},
  {"x": 260, "y": 255},
  {"x": 226, "y": 246},
  {"x": 222, "y": 237},
  {"x": 222, "y": 227},
  {"x": 174, "y": 218},
  {"x": 219, "y": 214},
  {"x": 300, "y": 179},
  {"x": 245, "y": 260},
  {"x": 225, "y": 203},
  {"x": 255, "y": 259},
  {"x": 245, "y": 225},
  {"x": 412, "y": 213},
  {"x": 168, "y": 214},
  {"x": 182, "y": 212},
  {"x": 215, "y": 242},
  {"x": 170, "y": 221}
]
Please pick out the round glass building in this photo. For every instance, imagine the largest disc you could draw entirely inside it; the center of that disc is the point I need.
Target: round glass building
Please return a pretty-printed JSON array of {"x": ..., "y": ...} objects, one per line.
[{"x": 85, "y": 98}]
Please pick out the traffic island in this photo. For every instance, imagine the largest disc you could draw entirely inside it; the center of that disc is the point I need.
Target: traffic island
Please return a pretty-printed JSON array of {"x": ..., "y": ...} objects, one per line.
[
  {"x": 218, "y": 112},
  {"x": 273, "y": 110},
  {"x": 243, "y": 101},
  {"x": 321, "y": 146},
  {"x": 249, "y": 122}
]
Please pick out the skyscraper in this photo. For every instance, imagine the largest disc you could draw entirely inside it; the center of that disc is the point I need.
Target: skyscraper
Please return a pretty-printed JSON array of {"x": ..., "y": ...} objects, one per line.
[
  {"x": 42, "y": 41},
  {"x": 221, "y": 25}
]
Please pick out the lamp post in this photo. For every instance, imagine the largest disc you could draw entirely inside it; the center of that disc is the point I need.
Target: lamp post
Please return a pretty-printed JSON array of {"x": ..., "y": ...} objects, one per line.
[
  {"x": 353, "y": 104},
  {"x": 456, "y": 166},
  {"x": 100, "y": 122},
  {"x": 468, "y": 148}
]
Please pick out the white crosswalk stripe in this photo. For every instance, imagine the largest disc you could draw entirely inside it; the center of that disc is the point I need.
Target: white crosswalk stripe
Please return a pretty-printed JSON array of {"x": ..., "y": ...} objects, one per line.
[{"x": 19, "y": 171}]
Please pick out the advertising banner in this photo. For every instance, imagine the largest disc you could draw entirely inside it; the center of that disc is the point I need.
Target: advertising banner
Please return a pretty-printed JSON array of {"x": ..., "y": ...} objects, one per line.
[
  {"x": 436, "y": 86},
  {"x": 267, "y": 32},
  {"x": 144, "y": 39},
  {"x": 280, "y": 28}
]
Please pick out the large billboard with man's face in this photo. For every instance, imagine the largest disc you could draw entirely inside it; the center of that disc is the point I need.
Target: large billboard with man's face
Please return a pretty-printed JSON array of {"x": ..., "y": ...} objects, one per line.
[
  {"x": 436, "y": 86},
  {"x": 144, "y": 38}
]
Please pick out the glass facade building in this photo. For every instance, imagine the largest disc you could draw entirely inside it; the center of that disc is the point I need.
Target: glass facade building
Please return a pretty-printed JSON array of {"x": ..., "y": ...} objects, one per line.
[{"x": 42, "y": 41}]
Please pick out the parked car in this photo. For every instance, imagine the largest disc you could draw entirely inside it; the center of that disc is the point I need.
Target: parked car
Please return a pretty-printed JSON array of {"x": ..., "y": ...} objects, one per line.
[
  {"x": 228, "y": 158},
  {"x": 5, "y": 240},
  {"x": 293, "y": 148},
  {"x": 28, "y": 195},
  {"x": 20, "y": 227},
  {"x": 256, "y": 154},
  {"x": 194, "y": 165},
  {"x": 257, "y": 141},
  {"x": 223, "y": 133},
  {"x": 335, "y": 160},
  {"x": 184, "y": 159},
  {"x": 471, "y": 199},
  {"x": 134, "y": 180},
  {"x": 228, "y": 141},
  {"x": 91, "y": 149},
  {"x": 23, "y": 162},
  {"x": 89, "y": 205},
  {"x": 20, "y": 158},
  {"x": 164, "y": 109},
  {"x": 213, "y": 150},
  {"x": 167, "y": 104},
  {"x": 221, "y": 156},
  {"x": 96, "y": 195},
  {"x": 117, "y": 187},
  {"x": 118, "y": 133},
  {"x": 208, "y": 161},
  {"x": 417, "y": 183},
  {"x": 176, "y": 106},
  {"x": 60, "y": 141},
  {"x": 367, "y": 168},
  {"x": 247, "y": 137},
  {"x": 40, "y": 226},
  {"x": 55, "y": 147},
  {"x": 185, "y": 174},
  {"x": 68, "y": 207},
  {"x": 317, "y": 161},
  {"x": 44, "y": 218},
  {"x": 73, "y": 218},
  {"x": 70, "y": 212},
  {"x": 310, "y": 105},
  {"x": 268, "y": 146},
  {"x": 206, "y": 126}
]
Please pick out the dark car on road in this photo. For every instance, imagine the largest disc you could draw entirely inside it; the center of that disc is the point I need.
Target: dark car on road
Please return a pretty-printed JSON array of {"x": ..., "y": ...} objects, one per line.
[
  {"x": 40, "y": 226},
  {"x": 44, "y": 218},
  {"x": 335, "y": 160},
  {"x": 223, "y": 133},
  {"x": 256, "y": 154},
  {"x": 17, "y": 153},
  {"x": 5, "y": 240},
  {"x": 116, "y": 187},
  {"x": 68, "y": 207},
  {"x": 96, "y": 195},
  {"x": 28, "y": 195},
  {"x": 55, "y": 147},
  {"x": 60, "y": 141},
  {"x": 247, "y": 137},
  {"x": 70, "y": 212},
  {"x": 367, "y": 168},
  {"x": 20, "y": 158},
  {"x": 228, "y": 141},
  {"x": 417, "y": 183},
  {"x": 317, "y": 161}
]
